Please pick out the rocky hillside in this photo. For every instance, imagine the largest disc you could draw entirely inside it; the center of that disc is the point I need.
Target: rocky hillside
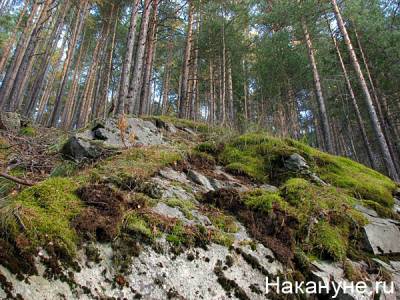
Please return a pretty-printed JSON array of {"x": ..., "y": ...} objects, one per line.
[{"x": 170, "y": 209}]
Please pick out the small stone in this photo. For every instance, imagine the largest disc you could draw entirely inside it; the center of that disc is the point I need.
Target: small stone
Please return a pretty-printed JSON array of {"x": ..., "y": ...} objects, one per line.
[
  {"x": 366, "y": 211},
  {"x": 269, "y": 188},
  {"x": 198, "y": 178},
  {"x": 296, "y": 163}
]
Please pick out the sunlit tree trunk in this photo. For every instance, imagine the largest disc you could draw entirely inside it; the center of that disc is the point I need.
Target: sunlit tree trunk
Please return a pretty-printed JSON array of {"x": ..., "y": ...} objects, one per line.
[
  {"x": 80, "y": 17},
  {"x": 127, "y": 64},
  {"x": 135, "y": 86}
]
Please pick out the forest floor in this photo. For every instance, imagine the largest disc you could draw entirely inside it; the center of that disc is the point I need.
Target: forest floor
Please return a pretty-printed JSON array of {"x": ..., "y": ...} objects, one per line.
[{"x": 186, "y": 211}]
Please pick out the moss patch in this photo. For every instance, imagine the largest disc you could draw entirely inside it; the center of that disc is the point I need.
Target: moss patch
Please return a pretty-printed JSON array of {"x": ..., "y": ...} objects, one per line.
[
  {"x": 330, "y": 240},
  {"x": 184, "y": 206},
  {"x": 28, "y": 131},
  {"x": 139, "y": 162},
  {"x": 43, "y": 214},
  {"x": 261, "y": 157}
]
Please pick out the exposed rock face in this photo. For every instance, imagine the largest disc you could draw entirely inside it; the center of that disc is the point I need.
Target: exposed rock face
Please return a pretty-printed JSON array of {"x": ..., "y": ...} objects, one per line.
[
  {"x": 10, "y": 121},
  {"x": 200, "y": 179},
  {"x": 328, "y": 273},
  {"x": 382, "y": 236},
  {"x": 90, "y": 143}
]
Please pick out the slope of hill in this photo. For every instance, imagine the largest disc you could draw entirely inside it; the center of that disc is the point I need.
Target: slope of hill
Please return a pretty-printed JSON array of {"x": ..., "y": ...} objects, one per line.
[{"x": 165, "y": 208}]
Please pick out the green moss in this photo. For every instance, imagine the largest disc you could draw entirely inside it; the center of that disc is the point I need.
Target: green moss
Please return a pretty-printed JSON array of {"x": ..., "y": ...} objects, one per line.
[
  {"x": 46, "y": 211},
  {"x": 139, "y": 162},
  {"x": 295, "y": 191},
  {"x": 330, "y": 240},
  {"x": 135, "y": 224},
  {"x": 208, "y": 147},
  {"x": 178, "y": 236},
  {"x": 223, "y": 238},
  {"x": 183, "y": 123},
  {"x": 359, "y": 180},
  {"x": 184, "y": 206},
  {"x": 64, "y": 169},
  {"x": 223, "y": 222},
  {"x": 260, "y": 156},
  {"x": 28, "y": 131},
  {"x": 243, "y": 163},
  {"x": 382, "y": 211},
  {"x": 261, "y": 200}
]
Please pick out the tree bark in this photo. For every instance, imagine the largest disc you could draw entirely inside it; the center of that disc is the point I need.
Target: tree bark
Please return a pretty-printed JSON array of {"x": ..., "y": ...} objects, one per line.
[
  {"x": 360, "y": 121},
  {"x": 9, "y": 79},
  {"x": 186, "y": 63},
  {"x": 318, "y": 89},
  {"x": 151, "y": 48},
  {"x": 127, "y": 65},
  {"x": 12, "y": 39},
  {"x": 137, "y": 75},
  {"x": 81, "y": 15},
  {"x": 101, "y": 112},
  {"x": 372, "y": 112}
]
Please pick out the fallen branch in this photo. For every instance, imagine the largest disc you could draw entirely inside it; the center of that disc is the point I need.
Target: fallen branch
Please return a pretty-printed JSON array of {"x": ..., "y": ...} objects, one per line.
[{"x": 17, "y": 180}]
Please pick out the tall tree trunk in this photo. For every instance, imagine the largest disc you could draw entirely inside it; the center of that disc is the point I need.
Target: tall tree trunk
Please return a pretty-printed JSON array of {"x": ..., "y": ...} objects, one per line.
[
  {"x": 223, "y": 77},
  {"x": 245, "y": 91},
  {"x": 355, "y": 105},
  {"x": 102, "y": 109},
  {"x": 66, "y": 120},
  {"x": 167, "y": 78},
  {"x": 135, "y": 86},
  {"x": 85, "y": 112},
  {"x": 13, "y": 37},
  {"x": 81, "y": 15},
  {"x": 381, "y": 108},
  {"x": 186, "y": 63},
  {"x": 212, "y": 93},
  {"x": 230, "y": 91},
  {"x": 372, "y": 112},
  {"x": 318, "y": 89},
  {"x": 50, "y": 49},
  {"x": 127, "y": 65},
  {"x": 23, "y": 44},
  {"x": 19, "y": 84},
  {"x": 151, "y": 45}
]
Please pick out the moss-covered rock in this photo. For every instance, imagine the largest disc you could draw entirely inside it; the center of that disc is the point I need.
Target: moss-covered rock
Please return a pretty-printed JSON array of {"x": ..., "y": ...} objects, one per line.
[
  {"x": 261, "y": 157},
  {"x": 43, "y": 214}
]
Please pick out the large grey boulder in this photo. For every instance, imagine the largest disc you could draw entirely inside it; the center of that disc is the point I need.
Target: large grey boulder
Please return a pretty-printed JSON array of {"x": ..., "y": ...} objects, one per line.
[
  {"x": 10, "y": 121},
  {"x": 91, "y": 143},
  {"x": 382, "y": 236}
]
